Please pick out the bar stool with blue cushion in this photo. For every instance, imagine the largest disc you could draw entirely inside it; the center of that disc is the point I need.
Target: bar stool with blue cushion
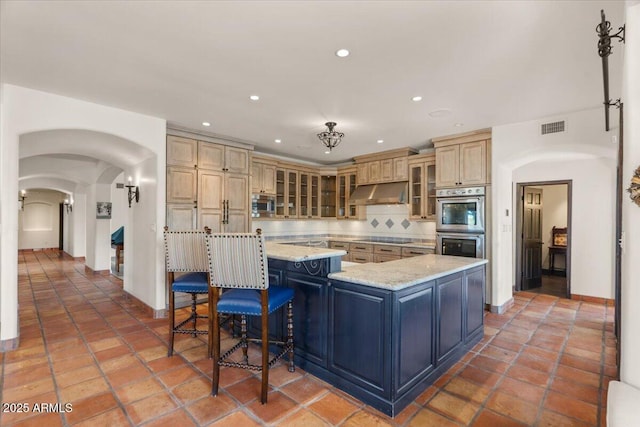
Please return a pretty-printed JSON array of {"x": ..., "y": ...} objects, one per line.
[
  {"x": 186, "y": 254},
  {"x": 238, "y": 264}
]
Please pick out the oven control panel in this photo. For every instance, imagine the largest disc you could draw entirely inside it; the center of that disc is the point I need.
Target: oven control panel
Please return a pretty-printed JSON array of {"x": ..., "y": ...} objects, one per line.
[{"x": 456, "y": 192}]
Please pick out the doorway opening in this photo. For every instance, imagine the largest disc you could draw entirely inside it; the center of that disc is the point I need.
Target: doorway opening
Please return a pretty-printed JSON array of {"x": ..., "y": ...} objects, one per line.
[{"x": 543, "y": 238}]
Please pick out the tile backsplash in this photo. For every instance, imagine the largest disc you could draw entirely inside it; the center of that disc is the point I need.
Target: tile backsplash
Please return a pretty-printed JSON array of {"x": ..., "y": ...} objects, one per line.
[{"x": 382, "y": 221}]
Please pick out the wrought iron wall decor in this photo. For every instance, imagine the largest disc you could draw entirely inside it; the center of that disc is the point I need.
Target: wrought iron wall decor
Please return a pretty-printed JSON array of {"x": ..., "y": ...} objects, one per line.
[
  {"x": 604, "y": 50},
  {"x": 133, "y": 193}
]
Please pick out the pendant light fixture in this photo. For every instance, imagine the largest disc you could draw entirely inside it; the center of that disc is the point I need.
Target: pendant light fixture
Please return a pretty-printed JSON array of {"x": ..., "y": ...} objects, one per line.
[{"x": 330, "y": 138}]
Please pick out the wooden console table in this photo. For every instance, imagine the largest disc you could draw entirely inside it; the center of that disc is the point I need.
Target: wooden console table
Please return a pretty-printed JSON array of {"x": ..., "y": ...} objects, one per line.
[{"x": 553, "y": 251}]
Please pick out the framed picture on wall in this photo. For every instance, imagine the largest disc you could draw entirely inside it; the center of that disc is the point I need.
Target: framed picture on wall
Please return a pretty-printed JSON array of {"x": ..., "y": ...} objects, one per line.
[{"x": 103, "y": 210}]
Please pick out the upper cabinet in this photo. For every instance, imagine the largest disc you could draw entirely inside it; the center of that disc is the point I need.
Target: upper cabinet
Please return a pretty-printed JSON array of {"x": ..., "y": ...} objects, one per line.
[
  {"x": 263, "y": 176},
  {"x": 463, "y": 159},
  {"x": 309, "y": 190},
  {"x": 222, "y": 158},
  {"x": 422, "y": 187},
  {"x": 182, "y": 151},
  {"x": 387, "y": 166},
  {"x": 207, "y": 185},
  {"x": 286, "y": 193},
  {"x": 346, "y": 183}
]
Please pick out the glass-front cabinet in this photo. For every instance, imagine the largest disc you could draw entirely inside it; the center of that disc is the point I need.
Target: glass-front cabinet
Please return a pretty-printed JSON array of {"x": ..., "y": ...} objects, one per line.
[
  {"x": 328, "y": 196},
  {"x": 345, "y": 186},
  {"x": 309, "y": 195},
  {"x": 286, "y": 193},
  {"x": 422, "y": 187}
]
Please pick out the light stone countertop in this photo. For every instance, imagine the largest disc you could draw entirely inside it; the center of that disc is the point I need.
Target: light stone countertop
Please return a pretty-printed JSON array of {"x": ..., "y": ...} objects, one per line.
[
  {"x": 422, "y": 245},
  {"x": 300, "y": 253},
  {"x": 406, "y": 272}
]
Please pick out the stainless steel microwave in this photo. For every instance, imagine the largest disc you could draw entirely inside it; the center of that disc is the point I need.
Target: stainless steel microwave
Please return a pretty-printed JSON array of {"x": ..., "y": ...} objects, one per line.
[{"x": 263, "y": 206}]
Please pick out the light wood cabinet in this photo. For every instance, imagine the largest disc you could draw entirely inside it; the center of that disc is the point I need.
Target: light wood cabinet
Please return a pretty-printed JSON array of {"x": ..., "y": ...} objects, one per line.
[
  {"x": 386, "y": 166},
  {"x": 207, "y": 185},
  {"x": 422, "y": 187},
  {"x": 223, "y": 201},
  {"x": 182, "y": 216},
  {"x": 328, "y": 196},
  {"x": 263, "y": 177},
  {"x": 341, "y": 245},
  {"x": 182, "y": 151},
  {"x": 222, "y": 158},
  {"x": 362, "y": 174},
  {"x": 309, "y": 190},
  {"x": 463, "y": 159},
  {"x": 181, "y": 185},
  {"x": 286, "y": 193},
  {"x": 346, "y": 183},
  {"x": 400, "y": 168},
  {"x": 408, "y": 252}
]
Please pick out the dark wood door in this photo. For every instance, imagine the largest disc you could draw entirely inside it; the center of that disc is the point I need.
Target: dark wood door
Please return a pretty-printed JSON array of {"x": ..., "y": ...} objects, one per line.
[{"x": 532, "y": 238}]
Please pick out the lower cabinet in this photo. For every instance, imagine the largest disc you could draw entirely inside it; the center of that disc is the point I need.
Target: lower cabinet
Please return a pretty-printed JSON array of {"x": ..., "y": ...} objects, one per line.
[
  {"x": 309, "y": 317},
  {"x": 474, "y": 314},
  {"x": 382, "y": 346},
  {"x": 449, "y": 294},
  {"x": 360, "y": 336},
  {"x": 414, "y": 343}
]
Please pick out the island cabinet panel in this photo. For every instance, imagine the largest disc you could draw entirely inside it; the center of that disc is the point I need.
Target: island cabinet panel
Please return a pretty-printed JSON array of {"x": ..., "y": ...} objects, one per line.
[
  {"x": 450, "y": 334},
  {"x": 474, "y": 287},
  {"x": 413, "y": 348},
  {"x": 359, "y": 334},
  {"x": 309, "y": 317}
]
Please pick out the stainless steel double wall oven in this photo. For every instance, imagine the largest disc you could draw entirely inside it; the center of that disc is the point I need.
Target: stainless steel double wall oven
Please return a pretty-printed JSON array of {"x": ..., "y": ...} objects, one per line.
[{"x": 460, "y": 222}]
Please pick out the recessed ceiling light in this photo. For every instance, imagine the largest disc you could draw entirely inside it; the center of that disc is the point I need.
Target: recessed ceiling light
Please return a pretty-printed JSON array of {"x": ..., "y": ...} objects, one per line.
[
  {"x": 206, "y": 124},
  {"x": 327, "y": 152},
  {"x": 438, "y": 114},
  {"x": 416, "y": 98},
  {"x": 459, "y": 125},
  {"x": 380, "y": 141},
  {"x": 277, "y": 141},
  {"x": 342, "y": 53},
  {"x": 254, "y": 97}
]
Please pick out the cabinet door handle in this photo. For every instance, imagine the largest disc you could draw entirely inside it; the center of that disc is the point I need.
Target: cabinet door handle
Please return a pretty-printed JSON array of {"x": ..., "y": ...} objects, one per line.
[{"x": 384, "y": 250}]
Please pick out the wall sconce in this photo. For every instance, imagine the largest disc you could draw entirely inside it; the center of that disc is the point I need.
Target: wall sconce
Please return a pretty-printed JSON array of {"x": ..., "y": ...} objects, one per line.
[
  {"x": 68, "y": 204},
  {"x": 21, "y": 198},
  {"x": 133, "y": 194}
]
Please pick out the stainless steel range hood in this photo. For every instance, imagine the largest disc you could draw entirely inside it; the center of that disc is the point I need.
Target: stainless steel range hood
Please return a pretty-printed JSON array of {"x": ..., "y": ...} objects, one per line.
[{"x": 380, "y": 194}]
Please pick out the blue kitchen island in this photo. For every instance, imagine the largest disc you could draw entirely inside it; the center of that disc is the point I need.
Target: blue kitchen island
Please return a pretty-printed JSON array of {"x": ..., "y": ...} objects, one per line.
[{"x": 381, "y": 332}]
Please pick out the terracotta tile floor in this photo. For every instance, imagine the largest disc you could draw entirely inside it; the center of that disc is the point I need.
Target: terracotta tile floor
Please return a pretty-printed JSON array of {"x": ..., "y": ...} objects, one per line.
[{"x": 547, "y": 362}]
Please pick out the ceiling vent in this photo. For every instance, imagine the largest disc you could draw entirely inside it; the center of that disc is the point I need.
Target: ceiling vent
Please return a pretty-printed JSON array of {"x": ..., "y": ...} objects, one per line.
[{"x": 553, "y": 127}]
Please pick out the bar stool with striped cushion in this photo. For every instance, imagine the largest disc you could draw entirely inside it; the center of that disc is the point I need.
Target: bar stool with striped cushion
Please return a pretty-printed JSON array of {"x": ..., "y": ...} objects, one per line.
[
  {"x": 186, "y": 254},
  {"x": 238, "y": 263}
]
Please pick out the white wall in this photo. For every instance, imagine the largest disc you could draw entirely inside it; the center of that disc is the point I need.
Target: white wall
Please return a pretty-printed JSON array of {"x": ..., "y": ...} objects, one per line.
[
  {"x": 39, "y": 221},
  {"x": 593, "y": 203},
  {"x": 389, "y": 219},
  {"x": 119, "y": 203},
  {"x": 554, "y": 214},
  {"x": 584, "y": 154},
  {"x": 98, "y": 256},
  {"x": 630, "y": 354},
  {"x": 26, "y": 112}
]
